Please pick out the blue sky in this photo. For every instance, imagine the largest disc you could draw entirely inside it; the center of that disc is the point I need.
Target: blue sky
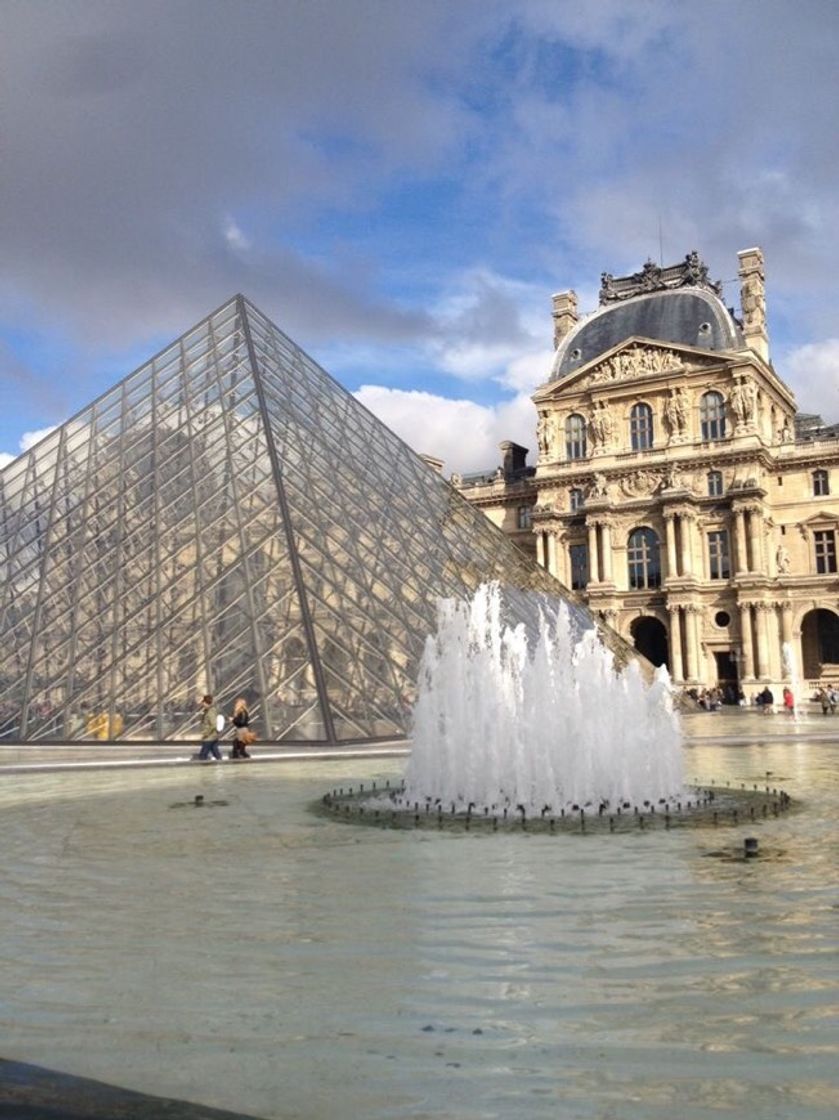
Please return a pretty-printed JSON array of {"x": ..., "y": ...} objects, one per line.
[{"x": 402, "y": 186}]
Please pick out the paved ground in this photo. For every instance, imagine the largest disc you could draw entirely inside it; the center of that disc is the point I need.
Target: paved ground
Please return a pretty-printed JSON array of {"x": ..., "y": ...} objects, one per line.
[{"x": 726, "y": 725}]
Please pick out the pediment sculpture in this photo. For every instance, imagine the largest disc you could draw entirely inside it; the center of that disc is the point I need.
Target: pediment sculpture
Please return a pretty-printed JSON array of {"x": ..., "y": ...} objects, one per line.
[{"x": 635, "y": 361}]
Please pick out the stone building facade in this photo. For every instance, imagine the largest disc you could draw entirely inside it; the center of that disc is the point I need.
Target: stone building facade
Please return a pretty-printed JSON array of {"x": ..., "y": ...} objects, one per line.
[{"x": 677, "y": 489}]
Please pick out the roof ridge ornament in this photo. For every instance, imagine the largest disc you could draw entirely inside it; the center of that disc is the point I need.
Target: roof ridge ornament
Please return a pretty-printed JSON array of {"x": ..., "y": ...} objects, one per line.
[{"x": 691, "y": 272}]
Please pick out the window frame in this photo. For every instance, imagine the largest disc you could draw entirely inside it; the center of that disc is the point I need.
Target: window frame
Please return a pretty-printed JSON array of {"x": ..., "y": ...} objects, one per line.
[
  {"x": 576, "y": 442},
  {"x": 715, "y": 489},
  {"x": 524, "y": 517},
  {"x": 821, "y": 483},
  {"x": 576, "y": 499},
  {"x": 641, "y": 429},
  {"x": 719, "y": 554},
  {"x": 581, "y": 549},
  {"x": 824, "y": 549},
  {"x": 643, "y": 559},
  {"x": 712, "y": 416}
]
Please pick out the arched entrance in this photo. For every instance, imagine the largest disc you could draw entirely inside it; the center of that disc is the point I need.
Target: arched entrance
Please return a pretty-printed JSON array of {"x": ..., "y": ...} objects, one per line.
[
  {"x": 649, "y": 636},
  {"x": 819, "y": 644}
]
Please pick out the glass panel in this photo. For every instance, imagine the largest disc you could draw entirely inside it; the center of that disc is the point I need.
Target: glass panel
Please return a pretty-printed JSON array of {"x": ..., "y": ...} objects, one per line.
[{"x": 158, "y": 546}]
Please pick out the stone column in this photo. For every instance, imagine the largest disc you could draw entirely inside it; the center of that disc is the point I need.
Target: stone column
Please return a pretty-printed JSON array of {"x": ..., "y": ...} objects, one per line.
[
  {"x": 774, "y": 640},
  {"x": 746, "y": 641},
  {"x": 606, "y": 545},
  {"x": 551, "y": 563},
  {"x": 786, "y": 622},
  {"x": 739, "y": 542},
  {"x": 593, "y": 562},
  {"x": 670, "y": 537},
  {"x": 561, "y": 559},
  {"x": 540, "y": 549},
  {"x": 686, "y": 526},
  {"x": 676, "y": 665},
  {"x": 692, "y": 628},
  {"x": 762, "y": 639},
  {"x": 755, "y": 540}
]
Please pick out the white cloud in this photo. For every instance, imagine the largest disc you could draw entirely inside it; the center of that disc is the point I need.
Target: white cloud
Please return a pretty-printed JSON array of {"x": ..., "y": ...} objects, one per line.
[
  {"x": 489, "y": 327},
  {"x": 527, "y": 371},
  {"x": 27, "y": 440},
  {"x": 812, "y": 372},
  {"x": 464, "y": 434},
  {"x": 235, "y": 238}
]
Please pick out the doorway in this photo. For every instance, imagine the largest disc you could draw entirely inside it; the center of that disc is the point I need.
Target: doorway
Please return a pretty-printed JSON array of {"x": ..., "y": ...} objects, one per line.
[{"x": 728, "y": 679}]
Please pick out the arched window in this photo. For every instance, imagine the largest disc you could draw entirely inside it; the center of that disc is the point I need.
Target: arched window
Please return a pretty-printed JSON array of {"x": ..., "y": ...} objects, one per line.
[
  {"x": 575, "y": 436},
  {"x": 714, "y": 484},
  {"x": 821, "y": 484},
  {"x": 576, "y": 499},
  {"x": 712, "y": 415},
  {"x": 641, "y": 427},
  {"x": 643, "y": 559}
]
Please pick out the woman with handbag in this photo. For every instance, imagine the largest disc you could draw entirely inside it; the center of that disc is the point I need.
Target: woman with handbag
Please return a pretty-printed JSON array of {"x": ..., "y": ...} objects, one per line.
[{"x": 242, "y": 736}]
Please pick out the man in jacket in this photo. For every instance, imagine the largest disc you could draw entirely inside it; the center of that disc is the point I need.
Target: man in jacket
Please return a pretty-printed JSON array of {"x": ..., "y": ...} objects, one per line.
[{"x": 209, "y": 731}]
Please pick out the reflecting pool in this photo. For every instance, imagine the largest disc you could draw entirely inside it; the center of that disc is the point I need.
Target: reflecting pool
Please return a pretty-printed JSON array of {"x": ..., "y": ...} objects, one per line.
[{"x": 255, "y": 957}]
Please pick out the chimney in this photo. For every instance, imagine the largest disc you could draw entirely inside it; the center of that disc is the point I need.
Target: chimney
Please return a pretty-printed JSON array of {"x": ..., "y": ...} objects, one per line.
[
  {"x": 564, "y": 314},
  {"x": 753, "y": 300},
  {"x": 513, "y": 458}
]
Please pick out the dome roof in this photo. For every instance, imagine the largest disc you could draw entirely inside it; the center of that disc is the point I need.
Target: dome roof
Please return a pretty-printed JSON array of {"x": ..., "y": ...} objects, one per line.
[{"x": 692, "y": 316}]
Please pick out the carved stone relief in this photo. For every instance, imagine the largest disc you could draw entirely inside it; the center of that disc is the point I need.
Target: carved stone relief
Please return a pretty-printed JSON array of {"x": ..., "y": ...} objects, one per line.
[
  {"x": 635, "y": 361},
  {"x": 640, "y": 483},
  {"x": 599, "y": 487},
  {"x": 753, "y": 304}
]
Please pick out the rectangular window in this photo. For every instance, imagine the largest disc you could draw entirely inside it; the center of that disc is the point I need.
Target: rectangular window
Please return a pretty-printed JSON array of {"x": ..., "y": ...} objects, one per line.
[
  {"x": 718, "y": 562},
  {"x": 579, "y": 566},
  {"x": 524, "y": 517},
  {"x": 714, "y": 484},
  {"x": 825, "y": 540},
  {"x": 821, "y": 486}
]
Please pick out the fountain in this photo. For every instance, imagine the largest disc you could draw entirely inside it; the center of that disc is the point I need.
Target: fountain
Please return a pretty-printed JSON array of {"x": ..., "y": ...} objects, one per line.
[{"x": 521, "y": 721}]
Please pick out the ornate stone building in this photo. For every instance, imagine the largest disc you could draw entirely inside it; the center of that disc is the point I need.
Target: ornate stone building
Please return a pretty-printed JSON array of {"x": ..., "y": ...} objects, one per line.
[{"x": 677, "y": 489}]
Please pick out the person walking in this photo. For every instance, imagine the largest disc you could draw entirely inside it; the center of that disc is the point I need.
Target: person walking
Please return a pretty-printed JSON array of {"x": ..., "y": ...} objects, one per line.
[
  {"x": 789, "y": 701},
  {"x": 209, "y": 731},
  {"x": 242, "y": 737}
]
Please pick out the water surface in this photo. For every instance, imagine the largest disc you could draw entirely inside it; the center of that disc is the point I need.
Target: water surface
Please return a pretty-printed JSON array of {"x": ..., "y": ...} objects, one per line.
[{"x": 253, "y": 956}]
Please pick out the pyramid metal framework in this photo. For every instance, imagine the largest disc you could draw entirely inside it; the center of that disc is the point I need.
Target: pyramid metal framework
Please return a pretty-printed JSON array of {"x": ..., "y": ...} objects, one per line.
[{"x": 228, "y": 519}]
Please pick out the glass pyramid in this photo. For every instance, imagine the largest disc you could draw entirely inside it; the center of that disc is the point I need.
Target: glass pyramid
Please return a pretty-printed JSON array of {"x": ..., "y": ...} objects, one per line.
[{"x": 228, "y": 519}]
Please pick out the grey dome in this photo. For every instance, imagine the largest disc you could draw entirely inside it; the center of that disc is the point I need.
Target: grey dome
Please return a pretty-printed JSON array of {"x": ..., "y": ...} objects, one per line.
[{"x": 691, "y": 316}]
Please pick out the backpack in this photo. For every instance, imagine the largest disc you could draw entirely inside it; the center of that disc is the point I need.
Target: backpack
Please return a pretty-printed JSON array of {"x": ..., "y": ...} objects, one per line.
[{"x": 219, "y": 722}]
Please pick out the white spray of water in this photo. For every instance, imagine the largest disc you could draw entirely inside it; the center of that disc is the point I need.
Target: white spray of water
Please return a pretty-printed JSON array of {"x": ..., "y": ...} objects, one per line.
[{"x": 500, "y": 720}]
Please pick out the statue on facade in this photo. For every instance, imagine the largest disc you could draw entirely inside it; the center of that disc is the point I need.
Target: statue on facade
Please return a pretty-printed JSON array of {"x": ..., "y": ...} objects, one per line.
[
  {"x": 602, "y": 424},
  {"x": 782, "y": 561},
  {"x": 599, "y": 487},
  {"x": 673, "y": 479},
  {"x": 742, "y": 400},
  {"x": 676, "y": 411},
  {"x": 752, "y": 305},
  {"x": 542, "y": 434}
]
